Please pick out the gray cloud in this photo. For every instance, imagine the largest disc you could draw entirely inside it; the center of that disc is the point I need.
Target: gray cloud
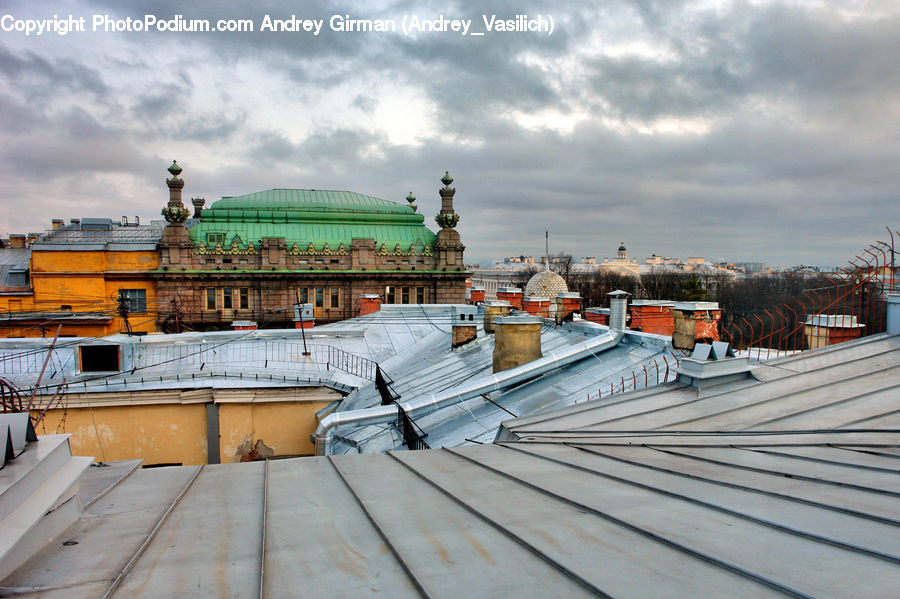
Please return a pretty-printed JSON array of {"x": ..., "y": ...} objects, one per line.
[{"x": 794, "y": 111}]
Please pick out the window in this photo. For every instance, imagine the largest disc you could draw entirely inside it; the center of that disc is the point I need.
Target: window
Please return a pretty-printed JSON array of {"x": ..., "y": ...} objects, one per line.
[
  {"x": 303, "y": 295},
  {"x": 335, "y": 297},
  {"x": 390, "y": 295},
  {"x": 135, "y": 300},
  {"x": 226, "y": 299},
  {"x": 420, "y": 295},
  {"x": 245, "y": 298},
  {"x": 404, "y": 295},
  {"x": 18, "y": 279},
  {"x": 320, "y": 297},
  {"x": 210, "y": 298},
  {"x": 214, "y": 238},
  {"x": 99, "y": 358}
]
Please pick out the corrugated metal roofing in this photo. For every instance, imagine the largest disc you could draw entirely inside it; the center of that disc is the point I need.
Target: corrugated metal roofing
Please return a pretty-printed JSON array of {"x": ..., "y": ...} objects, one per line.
[
  {"x": 571, "y": 504},
  {"x": 15, "y": 258}
]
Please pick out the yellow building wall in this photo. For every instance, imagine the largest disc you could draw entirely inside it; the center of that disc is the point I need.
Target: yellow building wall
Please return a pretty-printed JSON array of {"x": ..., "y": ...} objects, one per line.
[
  {"x": 89, "y": 282},
  {"x": 158, "y": 434},
  {"x": 176, "y": 433},
  {"x": 283, "y": 426}
]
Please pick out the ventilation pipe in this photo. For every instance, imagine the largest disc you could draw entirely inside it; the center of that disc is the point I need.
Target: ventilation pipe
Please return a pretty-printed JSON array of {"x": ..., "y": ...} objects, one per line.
[{"x": 618, "y": 308}]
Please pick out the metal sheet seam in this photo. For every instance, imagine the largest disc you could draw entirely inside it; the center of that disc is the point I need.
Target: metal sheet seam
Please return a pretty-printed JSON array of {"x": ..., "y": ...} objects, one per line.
[{"x": 495, "y": 382}]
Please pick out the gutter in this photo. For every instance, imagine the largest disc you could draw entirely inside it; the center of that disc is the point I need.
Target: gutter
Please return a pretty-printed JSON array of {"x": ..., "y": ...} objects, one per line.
[{"x": 418, "y": 407}]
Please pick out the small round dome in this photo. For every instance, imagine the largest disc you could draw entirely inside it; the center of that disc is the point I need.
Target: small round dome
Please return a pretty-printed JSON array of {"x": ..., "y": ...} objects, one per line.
[
  {"x": 546, "y": 284},
  {"x": 622, "y": 248}
]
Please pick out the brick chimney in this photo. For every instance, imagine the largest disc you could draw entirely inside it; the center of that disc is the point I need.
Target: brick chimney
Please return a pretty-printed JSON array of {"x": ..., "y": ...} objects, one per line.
[
  {"x": 567, "y": 302},
  {"x": 537, "y": 306},
  {"x": 513, "y": 295},
  {"x": 464, "y": 328},
  {"x": 56, "y": 223},
  {"x": 369, "y": 303},
  {"x": 494, "y": 309},
  {"x": 304, "y": 317},
  {"x": 476, "y": 295},
  {"x": 517, "y": 341},
  {"x": 16, "y": 240}
]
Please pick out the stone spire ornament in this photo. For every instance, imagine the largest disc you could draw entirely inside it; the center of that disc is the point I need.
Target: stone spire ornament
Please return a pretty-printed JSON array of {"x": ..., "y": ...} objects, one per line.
[
  {"x": 175, "y": 213},
  {"x": 448, "y": 246},
  {"x": 411, "y": 198},
  {"x": 447, "y": 218}
]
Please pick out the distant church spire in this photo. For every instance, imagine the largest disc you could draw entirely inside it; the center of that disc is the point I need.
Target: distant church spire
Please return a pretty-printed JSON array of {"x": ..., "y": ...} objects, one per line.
[{"x": 547, "y": 249}]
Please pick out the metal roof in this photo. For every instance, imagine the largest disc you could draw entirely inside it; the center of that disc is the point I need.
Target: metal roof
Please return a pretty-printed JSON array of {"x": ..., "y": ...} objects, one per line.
[
  {"x": 115, "y": 238},
  {"x": 221, "y": 359},
  {"x": 15, "y": 258},
  {"x": 628, "y": 518},
  {"x": 305, "y": 216},
  {"x": 784, "y": 483},
  {"x": 309, "y": 199}
]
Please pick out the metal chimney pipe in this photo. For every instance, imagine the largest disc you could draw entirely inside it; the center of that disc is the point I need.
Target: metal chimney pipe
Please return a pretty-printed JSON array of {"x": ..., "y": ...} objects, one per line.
[{"x": 618, "y": 307}]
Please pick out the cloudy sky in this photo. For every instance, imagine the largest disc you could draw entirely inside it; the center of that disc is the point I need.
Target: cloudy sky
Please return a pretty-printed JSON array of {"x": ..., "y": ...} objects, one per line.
[{"x": 746, "y": 130}]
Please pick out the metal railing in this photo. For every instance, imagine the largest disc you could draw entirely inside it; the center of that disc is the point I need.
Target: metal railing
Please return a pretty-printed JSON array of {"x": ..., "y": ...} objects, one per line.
[{"x": 356, "y": 365}]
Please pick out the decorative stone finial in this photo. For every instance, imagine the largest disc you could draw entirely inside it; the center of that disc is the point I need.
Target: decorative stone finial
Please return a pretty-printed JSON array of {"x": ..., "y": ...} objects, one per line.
[
  {"x": 175, "y": 213},
  {"x": 411, "y": 198},
  {"x": 175, "y": 170},
  {"x": 447, "y": 217}
]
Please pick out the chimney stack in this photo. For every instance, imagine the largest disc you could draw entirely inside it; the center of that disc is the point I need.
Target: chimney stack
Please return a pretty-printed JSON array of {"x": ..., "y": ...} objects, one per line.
[
  {"x": 464, "y": 328},
  {"x": 494, "y": 309},
  {"x": 56, "y": 223},
  {"x": 513, "y": 295},
  {"x": 517, "y": 341},
  {"x": 369, "y": 303},
  {"x": 16, "y": 240}
]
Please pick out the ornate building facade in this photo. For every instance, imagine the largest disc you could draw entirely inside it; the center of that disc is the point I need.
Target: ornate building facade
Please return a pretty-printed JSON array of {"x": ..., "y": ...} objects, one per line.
[{"x": 253, "y": 257}]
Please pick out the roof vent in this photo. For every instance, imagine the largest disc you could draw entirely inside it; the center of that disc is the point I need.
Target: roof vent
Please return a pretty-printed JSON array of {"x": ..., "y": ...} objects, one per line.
[{"x": 711, "y": 365}]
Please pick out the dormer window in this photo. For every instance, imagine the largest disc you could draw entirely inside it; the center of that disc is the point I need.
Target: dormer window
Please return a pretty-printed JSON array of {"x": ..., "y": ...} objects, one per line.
[{"x": 215, "y": 238}]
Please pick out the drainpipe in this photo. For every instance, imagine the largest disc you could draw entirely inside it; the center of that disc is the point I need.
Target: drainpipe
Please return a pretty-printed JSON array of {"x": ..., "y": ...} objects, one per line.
[{"x": 418, "y": 407}]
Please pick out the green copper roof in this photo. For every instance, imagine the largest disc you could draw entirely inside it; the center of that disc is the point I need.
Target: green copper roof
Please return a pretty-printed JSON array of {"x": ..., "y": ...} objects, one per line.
[
  {"x": 286, "y": 200},
  {"x": 306, "y": 216}
]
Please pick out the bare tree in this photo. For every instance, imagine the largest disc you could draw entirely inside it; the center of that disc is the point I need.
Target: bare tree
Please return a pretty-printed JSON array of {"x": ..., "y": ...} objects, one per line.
[{"x": 661, "y": 283}]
